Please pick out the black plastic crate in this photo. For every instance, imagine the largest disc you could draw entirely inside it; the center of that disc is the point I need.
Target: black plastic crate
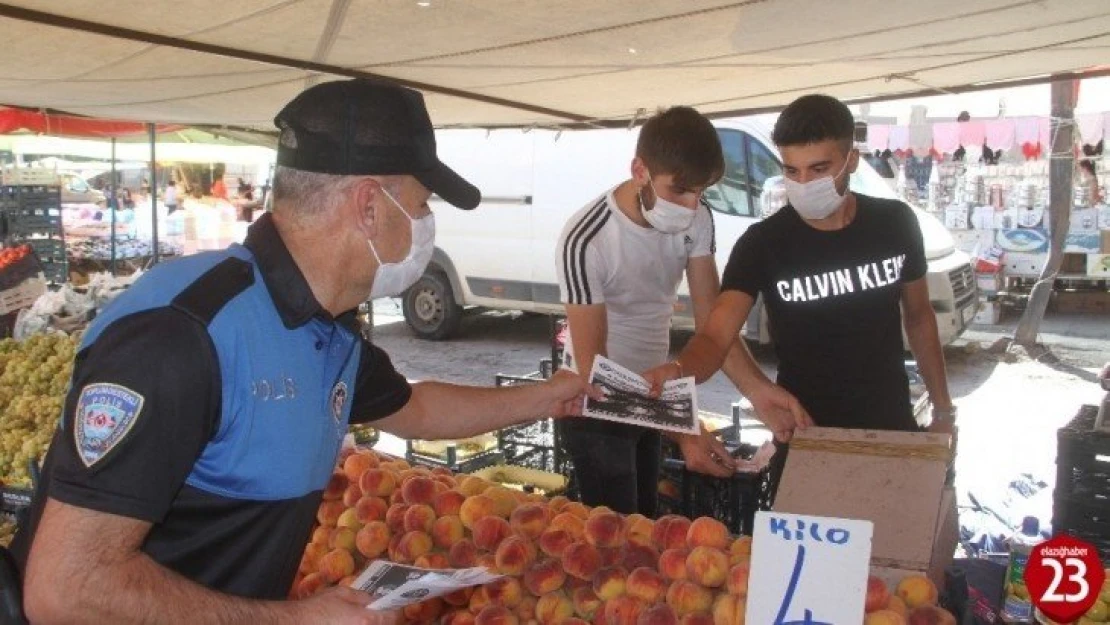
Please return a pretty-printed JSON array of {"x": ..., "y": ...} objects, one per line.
[
  {"x": 535, "y": 445},
  {"x": 52, "y": 254},
  {"x": 28, "y": 220},
  {"x": 1081, "y": 501},
  {"x": 452, "y": 460},
  {"x": 14, "y": 274}
]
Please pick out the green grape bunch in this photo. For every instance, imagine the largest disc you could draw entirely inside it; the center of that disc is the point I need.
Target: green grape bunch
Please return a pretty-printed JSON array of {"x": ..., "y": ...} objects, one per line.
[{"x": 34, "y": 374}]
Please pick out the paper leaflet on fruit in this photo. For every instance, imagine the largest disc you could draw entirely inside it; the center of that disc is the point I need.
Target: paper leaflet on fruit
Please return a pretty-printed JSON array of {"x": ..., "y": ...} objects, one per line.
[{"x": 394, "y": 586}]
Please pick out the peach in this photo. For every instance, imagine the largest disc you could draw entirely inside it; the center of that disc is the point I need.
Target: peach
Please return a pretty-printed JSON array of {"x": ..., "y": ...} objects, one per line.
[
  {"x": 470, "y": 486},
  {"x": 479, "y": 599},
  {"x": 349, "y": 519},
  {"x": 586, "y": 602},
  {"x": 686, "y": 597},
  {"x": 600, "y": 510},
  {"x": 738, "y": 575},
  {"x": 569, "y": 523},
  {"x": 395, "y": 517},
  {"x": 557, "y": 503},
  {"x": 487, "y": 561},
  {"x": 397, "y": 498},
  {"x": 448, "y": 503},
  {"x": 610, "y": 556},
  {"x": 697, "y": 618},
  {"x": 884, "y": 617},
  {"x": 581, "y": 560},
  {"x": 413, "y": 545},
  {"x": 729, "y": 610},
  {"x": 505, "y": 591},
  {"x": 426, "y": 611},
  {"x": 553, "y": 542},
  {"x": 661, "y": 614},
  {"x": 668, "y": 488},
  {"x": 633, "y": 556},
  {"x": 707, "y": 532},
  {"x": 458, "y": 617},
  {"x": 646, "y": 585},
  {"x": 373, "y": 539},
  {"x": 329, "y": 511},
  {"x": 605, "y": 530},
  {"x": 639, "y": 530},
  {"x": 554, "y": 607},
  {"x": 405, "y": 475},
  {"x": 337, "y": 564},
  {"x": 489, "y": 531},
  {"x": 916, "y": 591},
  {"x": 740, "y": 550},
  {"x": 419, "y": 490},
  {"x": 575, "y": 621},
  {"x": 460, "y": 598},
  {"x": 930, "y": 615},
  {"x": 670, "y": 532},
  {"x": 370, "y": 508},
  {"x": 310, "y": 559},
  {"x": 337, "y": 485},
  {"x": 475, "y": 509},
  {"x": 526, "y": 611},
  {"x": 897, "y": 605},
  {"x": 707, "y": 566},
  {"x": 503, "y": 499},
  {"x": 342, "y": 538},
  {"x": 320, "y": 535},
  {"x": 544, "y": 576},
  {"x": 610, "y": 582},
  {"x": 672, "y": 564},
  {"x": 530, "y": 520},
  {"x": 514, "y": 555},
  {"x": 347, "y": 581},
  {"x": 419, "y": 517},
  {"x": 878, "y": 596},
  {"x": 623, "y": 610},
  {"x": 496, "y": 615},
  {"x": 351, "y": 495},
  {"x": 446, "y": 531},
  {"x": 377, "y": 482},
  {"x": 310, "y": 585},
  {"x": 356, "y": 464},
  {"x": 391, "y": 550},
  {"x": 577, "y": 509},
  {"x": 432, "y": 560},
  {"x": 447, "y": 480},
  {"x": 463, "y": 554}
]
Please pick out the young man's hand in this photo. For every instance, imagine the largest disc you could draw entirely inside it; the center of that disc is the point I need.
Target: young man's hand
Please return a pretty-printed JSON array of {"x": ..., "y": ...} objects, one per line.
[
  {"x": 705, "y": 453},
  {"x": 658, "y": 376},
  {"x": 568, "y": 391},
  {"x": 780, "y": 411}
]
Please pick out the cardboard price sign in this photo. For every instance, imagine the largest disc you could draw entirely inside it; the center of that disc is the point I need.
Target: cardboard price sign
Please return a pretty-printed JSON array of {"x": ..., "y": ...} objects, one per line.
[
  {"x": 811, "y": 570},
  {"x": 1064, "y": 577}
]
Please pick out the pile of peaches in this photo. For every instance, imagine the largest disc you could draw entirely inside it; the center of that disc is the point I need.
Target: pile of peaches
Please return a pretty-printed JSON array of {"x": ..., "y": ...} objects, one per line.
[{"x": 562, "y": 562}]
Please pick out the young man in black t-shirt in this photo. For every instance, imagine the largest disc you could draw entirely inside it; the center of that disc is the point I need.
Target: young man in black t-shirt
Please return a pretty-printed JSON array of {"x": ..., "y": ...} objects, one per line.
[{"x": 834, "y": 269}]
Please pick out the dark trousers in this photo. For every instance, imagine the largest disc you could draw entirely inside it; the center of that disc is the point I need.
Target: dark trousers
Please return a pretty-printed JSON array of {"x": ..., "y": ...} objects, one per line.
[{"x": 615, "y": 465}]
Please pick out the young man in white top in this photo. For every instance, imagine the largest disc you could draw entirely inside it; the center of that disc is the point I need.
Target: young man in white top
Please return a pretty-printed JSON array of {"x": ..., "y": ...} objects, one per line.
[{"x": 620, "y": 260}]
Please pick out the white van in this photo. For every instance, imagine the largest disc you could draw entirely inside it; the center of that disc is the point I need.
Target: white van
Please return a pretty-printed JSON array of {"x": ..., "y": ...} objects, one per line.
[{"x": 502, "y": 255}]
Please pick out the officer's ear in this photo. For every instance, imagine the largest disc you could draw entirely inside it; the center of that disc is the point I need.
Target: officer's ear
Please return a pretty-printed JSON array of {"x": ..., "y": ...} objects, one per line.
[{"x": 366, "y": 201}]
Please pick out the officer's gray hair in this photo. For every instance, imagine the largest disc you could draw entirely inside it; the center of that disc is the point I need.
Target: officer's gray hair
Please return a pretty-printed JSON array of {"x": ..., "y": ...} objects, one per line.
[{"x": 305, "y": 193}]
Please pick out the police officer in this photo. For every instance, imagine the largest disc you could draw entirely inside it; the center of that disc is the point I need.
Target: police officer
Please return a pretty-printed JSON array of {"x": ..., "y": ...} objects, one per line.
[{"x": 208, "y": 403}]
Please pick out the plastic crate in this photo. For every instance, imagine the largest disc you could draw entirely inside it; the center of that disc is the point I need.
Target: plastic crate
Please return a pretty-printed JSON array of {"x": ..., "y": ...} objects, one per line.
[
  {"x": 31, "y": 220},
  {"x": 52, "y": 254},
  {"x": 14, "y": 274},
  {"x": 535, "y": 445},
  {"x": 452, "y": 461},
  {"x": 1081, "y": 501}
]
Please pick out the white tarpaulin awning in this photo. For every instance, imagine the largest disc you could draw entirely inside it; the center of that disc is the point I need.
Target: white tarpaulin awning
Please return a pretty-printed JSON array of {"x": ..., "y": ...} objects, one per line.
[{"x": 525, "y": 62}]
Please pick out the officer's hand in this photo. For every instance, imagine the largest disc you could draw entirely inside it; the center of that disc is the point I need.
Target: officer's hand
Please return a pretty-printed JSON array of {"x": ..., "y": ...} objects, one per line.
[
  {"x": 705, "y": 453},
  {"x": 780, "y": 411},
  {"x": 341, "y": 605},
  {"x": 660, "y": 375},
  {"x": 567, "y": 392}
]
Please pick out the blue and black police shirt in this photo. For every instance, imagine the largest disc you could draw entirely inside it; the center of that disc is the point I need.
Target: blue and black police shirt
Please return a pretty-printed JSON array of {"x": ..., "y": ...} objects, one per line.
[{"x": 211, "y": 400}]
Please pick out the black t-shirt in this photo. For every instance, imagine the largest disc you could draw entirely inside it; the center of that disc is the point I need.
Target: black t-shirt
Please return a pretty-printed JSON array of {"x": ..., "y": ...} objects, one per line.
[{"x": 833, "y": 299}]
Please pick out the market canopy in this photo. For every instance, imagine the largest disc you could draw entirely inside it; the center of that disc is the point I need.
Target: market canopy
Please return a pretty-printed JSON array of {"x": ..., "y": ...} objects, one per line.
[{"x": 528, "y": 62}]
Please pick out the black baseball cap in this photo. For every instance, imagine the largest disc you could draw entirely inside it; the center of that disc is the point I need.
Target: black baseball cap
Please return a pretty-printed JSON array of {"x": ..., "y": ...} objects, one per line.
[{"x": 364, "y": 128}]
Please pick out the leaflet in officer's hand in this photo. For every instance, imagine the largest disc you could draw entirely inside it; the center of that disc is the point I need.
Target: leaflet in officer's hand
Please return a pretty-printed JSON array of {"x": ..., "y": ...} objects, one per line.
[
  {"x": 394, "y": 586},
  {"x": 627, "y": 401}
]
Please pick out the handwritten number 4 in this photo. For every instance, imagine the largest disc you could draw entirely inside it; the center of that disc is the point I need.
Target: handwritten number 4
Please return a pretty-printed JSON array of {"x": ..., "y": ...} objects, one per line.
[{"x": 807, "y": 618}]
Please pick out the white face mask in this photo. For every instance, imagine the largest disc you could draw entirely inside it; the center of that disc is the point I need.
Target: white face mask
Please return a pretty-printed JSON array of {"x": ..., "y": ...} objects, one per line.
[
  {"x": 816, "y": 199},
  {"x": 391, "y": 279},
  {"x": 665, "y": 215}
]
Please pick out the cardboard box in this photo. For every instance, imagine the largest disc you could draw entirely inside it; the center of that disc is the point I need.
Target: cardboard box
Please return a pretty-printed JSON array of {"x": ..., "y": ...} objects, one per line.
[
  {"x": 955, "y": 218},
  {"x": 1103, "y": 217},
  {"x": 1083, "y": 221},
  {"x": 1104, "y": 246},
  {"x": 1023, "y": 240},
  {"x": 894, "y": 479},
  {"x": 989, "y": 283},
  {"x": 1088, "y": 243},
  {"x": 990, "y": 313},
  {"x": 1023, "y": 265},
  {"x": 1098, "y": 265}
]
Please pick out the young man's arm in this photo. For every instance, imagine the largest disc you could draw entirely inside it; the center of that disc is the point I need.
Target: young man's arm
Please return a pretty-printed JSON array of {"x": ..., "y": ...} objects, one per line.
[
  {"x": 774, "y": 406},
  {"x": 920, "y": 323},
  {"x": 87, "y": 566}
]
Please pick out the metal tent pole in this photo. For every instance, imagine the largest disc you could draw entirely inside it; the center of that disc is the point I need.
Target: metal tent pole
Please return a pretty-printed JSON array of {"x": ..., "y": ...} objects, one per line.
[
  {"x": 113, "y": 204},
  {"x": 153, "y": 199}
]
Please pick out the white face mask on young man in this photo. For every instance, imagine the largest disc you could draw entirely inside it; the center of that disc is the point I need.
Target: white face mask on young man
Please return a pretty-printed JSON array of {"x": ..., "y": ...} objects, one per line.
[
  {"x": 816, "y": 199},
  {"x": 391, "y": 279},
  {"x": 665, "y": 215}
]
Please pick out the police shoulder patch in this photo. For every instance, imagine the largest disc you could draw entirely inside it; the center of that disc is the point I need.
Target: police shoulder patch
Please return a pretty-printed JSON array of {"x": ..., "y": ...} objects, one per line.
[{"x": 104, "y": 416}]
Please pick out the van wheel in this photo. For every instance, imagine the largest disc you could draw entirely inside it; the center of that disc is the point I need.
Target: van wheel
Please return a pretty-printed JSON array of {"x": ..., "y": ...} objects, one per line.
[{"x": 430, "y": 309}]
